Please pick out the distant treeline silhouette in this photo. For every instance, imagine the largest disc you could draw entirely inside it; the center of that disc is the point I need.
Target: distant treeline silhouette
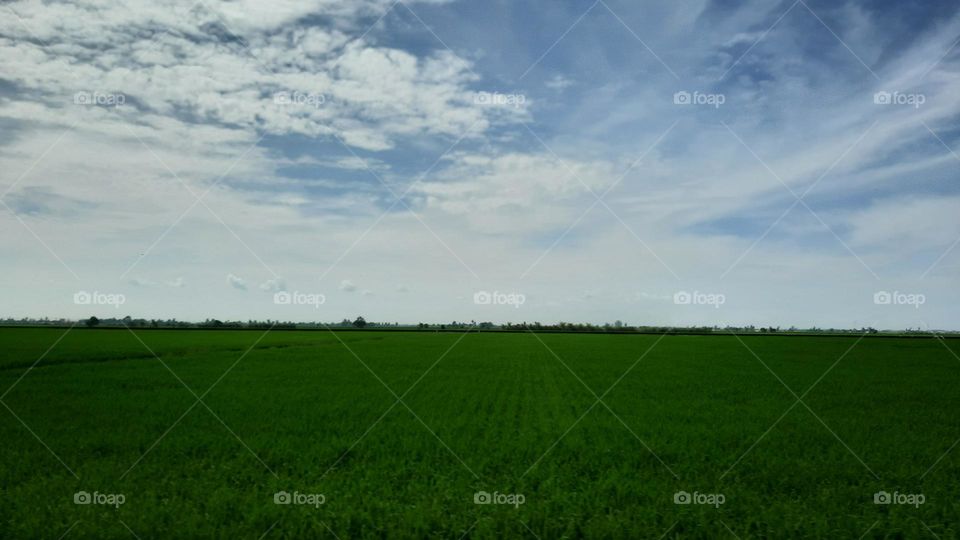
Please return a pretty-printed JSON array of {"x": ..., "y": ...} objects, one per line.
[{"x": 486, "y": 326}]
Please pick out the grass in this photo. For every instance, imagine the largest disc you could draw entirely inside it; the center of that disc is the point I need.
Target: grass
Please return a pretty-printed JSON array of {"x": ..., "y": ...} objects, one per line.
[{"x": 315, "y": 412}]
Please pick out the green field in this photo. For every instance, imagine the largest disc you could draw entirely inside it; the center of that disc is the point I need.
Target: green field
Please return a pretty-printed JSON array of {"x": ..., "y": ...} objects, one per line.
[{"x": 199, "y": 438}]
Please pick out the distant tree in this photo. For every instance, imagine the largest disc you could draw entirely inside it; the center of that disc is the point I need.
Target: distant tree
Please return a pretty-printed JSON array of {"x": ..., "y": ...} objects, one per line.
[
  {"x": 93, "y": 321},
  {"x": 360, "y": 322}
]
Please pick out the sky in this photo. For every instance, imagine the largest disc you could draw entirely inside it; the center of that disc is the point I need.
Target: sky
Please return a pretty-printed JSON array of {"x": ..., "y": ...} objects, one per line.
[{"x": 702, "y": 162}]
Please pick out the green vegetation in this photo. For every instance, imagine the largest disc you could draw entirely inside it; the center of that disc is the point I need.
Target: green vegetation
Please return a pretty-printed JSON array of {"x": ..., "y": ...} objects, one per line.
[{"x": 310, "y": 412}]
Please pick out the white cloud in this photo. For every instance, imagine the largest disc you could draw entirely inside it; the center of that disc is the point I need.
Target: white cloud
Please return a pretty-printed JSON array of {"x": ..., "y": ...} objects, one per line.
[
  {"x": 909, "y": 223},
  {"x": 515, "y": 191},
  {"x": 559, "y": 83},
  {"x": 273, "y": 285},
  {"x": 186, "y": 69},
  {"x": 236, "y": 282}
]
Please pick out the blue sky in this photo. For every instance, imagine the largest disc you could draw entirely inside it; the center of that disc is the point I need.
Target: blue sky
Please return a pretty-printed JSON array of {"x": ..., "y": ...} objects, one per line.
[{"x": 596, "y": 158}]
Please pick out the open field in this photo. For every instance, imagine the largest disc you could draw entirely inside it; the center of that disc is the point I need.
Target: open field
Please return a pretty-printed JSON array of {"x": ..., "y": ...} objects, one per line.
[{"x": 199, "y": 438}]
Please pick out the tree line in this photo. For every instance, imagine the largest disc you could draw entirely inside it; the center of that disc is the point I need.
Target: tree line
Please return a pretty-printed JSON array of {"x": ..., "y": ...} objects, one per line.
[{"x": 361, "y": 323}]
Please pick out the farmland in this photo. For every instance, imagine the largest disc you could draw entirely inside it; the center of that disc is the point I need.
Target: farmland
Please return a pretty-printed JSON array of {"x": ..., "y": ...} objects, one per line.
[{"x": 398, "y": 435}]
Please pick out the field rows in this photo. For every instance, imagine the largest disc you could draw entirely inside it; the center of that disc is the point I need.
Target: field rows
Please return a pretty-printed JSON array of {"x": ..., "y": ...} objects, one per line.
[{"x": 317, "y": 413}]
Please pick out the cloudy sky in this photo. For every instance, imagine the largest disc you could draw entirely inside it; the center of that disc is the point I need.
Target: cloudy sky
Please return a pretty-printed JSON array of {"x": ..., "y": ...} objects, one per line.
[{"x": 687, "y": 162}]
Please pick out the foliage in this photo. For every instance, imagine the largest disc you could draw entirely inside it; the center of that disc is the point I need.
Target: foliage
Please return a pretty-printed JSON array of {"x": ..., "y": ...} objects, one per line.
[{"x": 504, "y": 404}]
